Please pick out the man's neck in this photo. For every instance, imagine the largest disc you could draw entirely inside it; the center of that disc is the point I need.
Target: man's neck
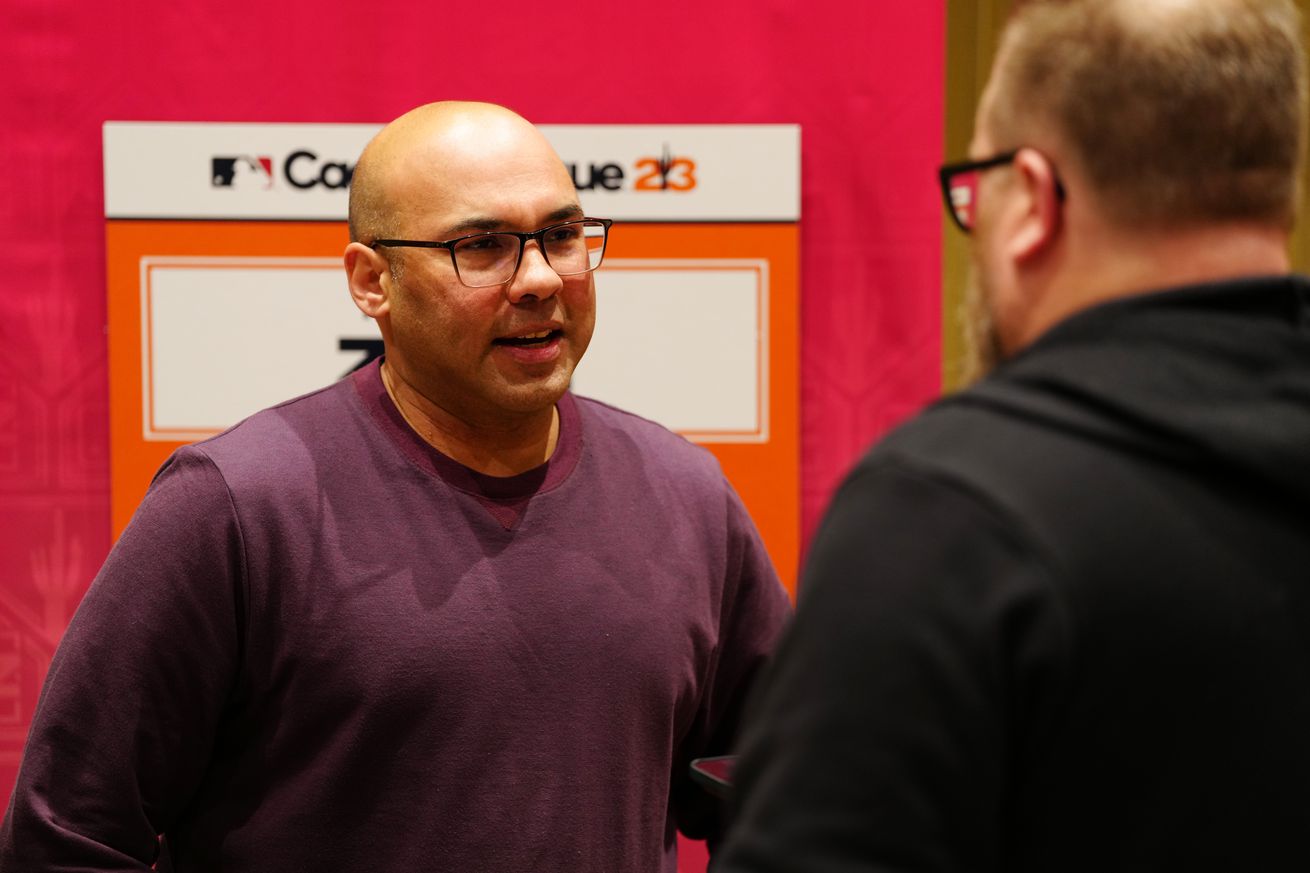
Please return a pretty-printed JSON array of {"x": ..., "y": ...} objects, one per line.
[
  {"x": 502, "y": 448},
  {"x": 1120, "y": 264}
]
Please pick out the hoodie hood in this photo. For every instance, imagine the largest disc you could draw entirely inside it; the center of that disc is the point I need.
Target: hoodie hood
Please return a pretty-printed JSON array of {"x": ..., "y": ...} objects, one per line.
[{"x": 1211, "y": 375}]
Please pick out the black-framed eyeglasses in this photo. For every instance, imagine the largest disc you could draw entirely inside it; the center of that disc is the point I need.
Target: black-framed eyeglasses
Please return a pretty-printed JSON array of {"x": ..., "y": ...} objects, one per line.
[
  {"x": 493, "y": 258},
  {"x": 960, "y": 186},
  {"x": 959, "y": 183}
]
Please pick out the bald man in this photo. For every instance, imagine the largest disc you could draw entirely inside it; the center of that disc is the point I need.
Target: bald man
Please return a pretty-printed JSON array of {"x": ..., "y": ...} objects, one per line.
[
  {"x": 441, "y": 615},
  {"x": 1061, "y": 621}
]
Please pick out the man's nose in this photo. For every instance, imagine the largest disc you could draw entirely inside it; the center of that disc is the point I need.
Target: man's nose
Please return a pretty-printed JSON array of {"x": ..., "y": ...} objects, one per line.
[{"x": 535, "y": 277}]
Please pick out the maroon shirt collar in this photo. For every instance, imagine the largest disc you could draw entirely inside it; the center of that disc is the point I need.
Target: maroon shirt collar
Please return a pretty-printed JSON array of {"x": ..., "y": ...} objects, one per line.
[{"x": 506, "y": 497}]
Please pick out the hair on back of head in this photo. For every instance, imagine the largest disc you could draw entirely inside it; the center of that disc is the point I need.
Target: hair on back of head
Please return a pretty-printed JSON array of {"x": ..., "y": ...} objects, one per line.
[
  {"x": 1178, "y": 111},
  {"x": 368, "y": 207},
  {"x": 371, "y": 215}
]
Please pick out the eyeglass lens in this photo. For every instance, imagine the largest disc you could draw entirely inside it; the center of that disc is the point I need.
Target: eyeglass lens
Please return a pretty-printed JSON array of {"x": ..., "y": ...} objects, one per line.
[
  {"x": 491, "y": 258},
  {"x": 964, "y": 194}
]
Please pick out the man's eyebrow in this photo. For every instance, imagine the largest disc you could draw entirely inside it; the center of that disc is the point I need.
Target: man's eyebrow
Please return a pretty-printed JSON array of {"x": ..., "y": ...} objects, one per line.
[
  {"x": 473, "y": 225},
  {"x": 564, "y": 213}
]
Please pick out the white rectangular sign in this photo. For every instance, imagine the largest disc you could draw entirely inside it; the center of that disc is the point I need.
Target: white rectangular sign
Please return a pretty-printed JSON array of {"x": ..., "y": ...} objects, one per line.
[
  {"x": 637, "y": 172},
  {"x": 225, "y": 337},
  {"x": 684, "y": 343}
]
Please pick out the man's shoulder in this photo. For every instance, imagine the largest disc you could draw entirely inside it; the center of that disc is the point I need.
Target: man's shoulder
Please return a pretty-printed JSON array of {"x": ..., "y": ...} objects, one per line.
[
  {"x": 953, "y": 430},
  {"x": 610, "y": 430},
  {"x": 280, "y": 440},
  {"x": 994, "y": 452}
]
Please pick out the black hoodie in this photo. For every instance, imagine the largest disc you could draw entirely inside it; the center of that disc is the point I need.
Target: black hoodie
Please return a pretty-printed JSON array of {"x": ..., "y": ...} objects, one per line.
[{"x": 1061, "y": 621}]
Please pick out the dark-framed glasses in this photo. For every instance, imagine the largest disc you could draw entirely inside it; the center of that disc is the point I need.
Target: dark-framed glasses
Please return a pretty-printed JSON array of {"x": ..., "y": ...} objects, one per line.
[
  {"x": 493, "y": 258},
  {"x": 960, "y": 186}
]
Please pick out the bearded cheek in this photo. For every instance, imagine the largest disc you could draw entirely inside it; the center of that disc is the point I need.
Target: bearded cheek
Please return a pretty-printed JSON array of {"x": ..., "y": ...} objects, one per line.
[{"x": 982, "y": 345}]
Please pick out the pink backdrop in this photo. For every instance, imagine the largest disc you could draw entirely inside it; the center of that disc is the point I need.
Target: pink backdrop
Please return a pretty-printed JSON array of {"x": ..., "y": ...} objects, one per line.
[{"x": 862, "y": 77}]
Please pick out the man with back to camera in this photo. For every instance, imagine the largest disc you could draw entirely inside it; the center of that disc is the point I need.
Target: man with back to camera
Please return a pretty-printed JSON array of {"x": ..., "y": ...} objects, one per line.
[
  {"x": 442, "y": 615},
  {"x": 1061, "y": 621}
]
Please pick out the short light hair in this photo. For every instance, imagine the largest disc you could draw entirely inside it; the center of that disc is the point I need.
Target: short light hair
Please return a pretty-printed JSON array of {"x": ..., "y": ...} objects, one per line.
[
  {"x": 369, "y": 211},
  {"x": 1179, "y": 111},
  {"x": 371, "y": 214}
]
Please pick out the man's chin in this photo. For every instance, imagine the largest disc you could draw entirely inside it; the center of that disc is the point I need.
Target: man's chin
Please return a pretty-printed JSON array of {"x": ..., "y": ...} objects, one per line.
[{"x": 527, "y": 396}]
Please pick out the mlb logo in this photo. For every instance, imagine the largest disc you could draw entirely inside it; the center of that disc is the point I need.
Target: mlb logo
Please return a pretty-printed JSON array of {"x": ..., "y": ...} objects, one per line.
[{"x": 242, "y": 172}]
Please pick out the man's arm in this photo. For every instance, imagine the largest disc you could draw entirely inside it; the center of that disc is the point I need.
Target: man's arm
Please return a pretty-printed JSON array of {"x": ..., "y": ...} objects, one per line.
[
  {"x": 753, "y": 611},
  {"x": 126, "y": 720},
  {"x": 881, "y": 738}
]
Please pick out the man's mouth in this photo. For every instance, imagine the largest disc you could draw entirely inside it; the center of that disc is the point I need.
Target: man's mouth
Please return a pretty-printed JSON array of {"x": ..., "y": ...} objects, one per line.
[{"x": 530, "y": 340}]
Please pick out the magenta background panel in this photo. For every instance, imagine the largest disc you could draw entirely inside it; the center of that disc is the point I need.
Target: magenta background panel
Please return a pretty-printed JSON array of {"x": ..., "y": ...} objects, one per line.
[{"x": 862, "y": 77}]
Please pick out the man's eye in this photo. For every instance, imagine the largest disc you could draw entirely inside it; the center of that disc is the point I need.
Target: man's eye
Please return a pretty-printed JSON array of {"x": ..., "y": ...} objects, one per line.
[
  {"x": 567, "y": 233},
  {"x": 484, "y": 244}
]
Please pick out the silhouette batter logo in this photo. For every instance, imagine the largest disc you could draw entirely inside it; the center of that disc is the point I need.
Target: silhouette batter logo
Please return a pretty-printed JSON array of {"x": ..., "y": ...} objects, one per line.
[
  {"x": 243, "y": 172},
  {"x": 668, "y": 172}
]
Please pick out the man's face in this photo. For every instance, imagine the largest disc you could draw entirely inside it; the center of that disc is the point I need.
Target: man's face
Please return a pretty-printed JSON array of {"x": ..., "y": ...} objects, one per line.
[
  {"x": 474, "y": 352},
  {"x": 990, "y": 277}
]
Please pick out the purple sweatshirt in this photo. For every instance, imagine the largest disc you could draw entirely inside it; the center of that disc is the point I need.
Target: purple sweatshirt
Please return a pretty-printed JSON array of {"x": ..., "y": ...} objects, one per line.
[{"x": 322, "y": 645}]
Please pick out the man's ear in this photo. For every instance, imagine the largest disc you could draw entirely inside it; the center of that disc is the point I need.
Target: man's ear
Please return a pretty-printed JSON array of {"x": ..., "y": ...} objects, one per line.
[
  {"x": 1043, "y": 208},
  {"x": 369, "y": 276}
]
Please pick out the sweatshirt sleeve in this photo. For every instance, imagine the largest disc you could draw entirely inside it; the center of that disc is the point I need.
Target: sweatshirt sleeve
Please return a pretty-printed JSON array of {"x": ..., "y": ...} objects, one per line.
[
  {"x": 127, "y": 717},
  {"x": 753, "y": 609},
  {"x": 882, "y": 736}
]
